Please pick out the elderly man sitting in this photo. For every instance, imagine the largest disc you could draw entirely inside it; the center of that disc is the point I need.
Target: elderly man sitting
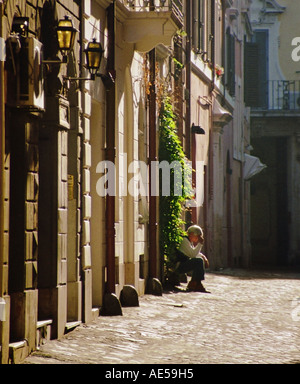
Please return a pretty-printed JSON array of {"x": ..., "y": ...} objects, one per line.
[{"x": 190, "y": 258}]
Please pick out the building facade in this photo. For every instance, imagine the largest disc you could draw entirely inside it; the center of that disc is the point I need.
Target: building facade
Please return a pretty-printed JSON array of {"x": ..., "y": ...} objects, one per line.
[
  {"x": 79, "y": 223},
  {"x": 45, "y": 154},
  {"x": 217, "y": 105},
  {"x": 61, "y": 132},
  {"x": 275, "y": 131}
]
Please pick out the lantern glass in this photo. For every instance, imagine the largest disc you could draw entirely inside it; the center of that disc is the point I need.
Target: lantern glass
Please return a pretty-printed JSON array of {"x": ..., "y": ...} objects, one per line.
[
  {"x": 65, "y": 34},
  {"x": 94, "y": 54}
]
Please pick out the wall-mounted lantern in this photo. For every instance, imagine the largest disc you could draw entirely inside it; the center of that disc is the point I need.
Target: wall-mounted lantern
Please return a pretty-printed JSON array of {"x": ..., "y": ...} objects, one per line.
[
  {"x": 65, "y": 36},
  {"x": 93, "y": 52},
  {"x": 65, "y": 33},
  {"x": 197, "y": 130}
]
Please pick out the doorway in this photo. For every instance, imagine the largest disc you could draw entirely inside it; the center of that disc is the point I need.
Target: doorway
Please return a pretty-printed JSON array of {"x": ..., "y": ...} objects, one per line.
[{"x": 269, "y": 204}]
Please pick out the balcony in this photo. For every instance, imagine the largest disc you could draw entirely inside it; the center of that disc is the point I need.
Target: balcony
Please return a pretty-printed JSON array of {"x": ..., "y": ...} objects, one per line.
[
  {"x": 281, "y": 97},
  {"x": 149, "y": 23},
  {"x": 174, "y": 6}
]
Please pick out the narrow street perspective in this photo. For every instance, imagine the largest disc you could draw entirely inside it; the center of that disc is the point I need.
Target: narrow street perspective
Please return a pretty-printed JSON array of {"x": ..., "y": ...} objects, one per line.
[
  {"x": 248, "y": 318},
  {"x": 149, "y": 181}
]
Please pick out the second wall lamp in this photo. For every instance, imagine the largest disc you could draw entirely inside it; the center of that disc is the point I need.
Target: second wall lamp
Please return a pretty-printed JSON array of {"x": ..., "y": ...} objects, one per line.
[{"x": 94, "y": 52}]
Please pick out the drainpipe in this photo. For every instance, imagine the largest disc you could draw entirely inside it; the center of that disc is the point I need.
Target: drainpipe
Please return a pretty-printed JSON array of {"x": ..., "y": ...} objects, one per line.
[
  {"x": 211, "y": 160},
  {"x": 189, "y": 145},
  {"x": 213, "y": 20},
  {"x": 2, "y": 148},
  {"x": 152, "y": 158},
  {"x": 110, "y": 151},
  {"x": 153, "y": 285},
  {"x": 188, "y": 78}
]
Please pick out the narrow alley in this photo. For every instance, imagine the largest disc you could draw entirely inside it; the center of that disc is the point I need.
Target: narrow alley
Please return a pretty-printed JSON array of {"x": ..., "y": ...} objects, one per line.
[{"x": 248, "y": 318}]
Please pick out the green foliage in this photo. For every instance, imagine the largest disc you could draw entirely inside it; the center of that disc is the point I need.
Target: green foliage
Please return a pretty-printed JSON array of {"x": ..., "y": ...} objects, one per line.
[
  {"x": 172, "y": 206},
  {"x": 178, "y": 66},
  {"x": 181, "y": 32}
]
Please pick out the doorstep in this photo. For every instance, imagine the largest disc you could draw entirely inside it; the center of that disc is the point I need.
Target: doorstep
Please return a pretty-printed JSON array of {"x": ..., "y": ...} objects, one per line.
[
  {"x": 18, "y": 351},
  {"x": 71, "y": 325},
  {"x": 43, "y": 332}
]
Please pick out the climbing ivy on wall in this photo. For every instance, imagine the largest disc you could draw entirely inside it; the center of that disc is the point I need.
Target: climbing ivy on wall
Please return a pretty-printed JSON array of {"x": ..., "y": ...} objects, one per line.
[{"x": 171, "y": 207}]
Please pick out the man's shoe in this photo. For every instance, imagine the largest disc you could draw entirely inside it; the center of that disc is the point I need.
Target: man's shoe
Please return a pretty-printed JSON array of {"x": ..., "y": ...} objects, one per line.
[
  {"x": 200, "y": 288},
  {"x": 192, "y": 285}
]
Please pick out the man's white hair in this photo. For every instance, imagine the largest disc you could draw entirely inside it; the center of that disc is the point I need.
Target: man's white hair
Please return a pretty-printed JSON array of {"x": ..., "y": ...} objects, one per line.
[{"x": 196, "y": 230}]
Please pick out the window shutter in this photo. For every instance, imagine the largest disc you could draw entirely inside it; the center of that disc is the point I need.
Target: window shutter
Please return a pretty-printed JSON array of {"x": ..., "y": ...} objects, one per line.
[
  {"x": 198, "y": 25},
  {"x": 232, "y": 66},
  {"x": 262, "y": 40},
  {"x": 209, "y": 30},
  {"x": 251, "y": 78},
  {"x": 230, "y": 62},
  {"x": 201, "y": 18}
]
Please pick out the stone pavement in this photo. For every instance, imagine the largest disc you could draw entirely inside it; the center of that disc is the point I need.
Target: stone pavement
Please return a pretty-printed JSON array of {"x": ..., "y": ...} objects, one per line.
[{"x": 248, "y": 318}]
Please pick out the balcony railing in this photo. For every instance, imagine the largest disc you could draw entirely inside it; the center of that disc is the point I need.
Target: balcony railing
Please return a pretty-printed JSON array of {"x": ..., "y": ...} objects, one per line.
[
  {"x": 175, "y": 6},
  {"x": 280, "y": 95}
]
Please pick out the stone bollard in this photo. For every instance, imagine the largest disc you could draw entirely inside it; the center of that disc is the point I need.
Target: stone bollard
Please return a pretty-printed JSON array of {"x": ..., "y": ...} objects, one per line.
[
  {"x": 111, "y": 305},
  {"x": 129, "y": 297},
  {"x": 154, "y": 287}
]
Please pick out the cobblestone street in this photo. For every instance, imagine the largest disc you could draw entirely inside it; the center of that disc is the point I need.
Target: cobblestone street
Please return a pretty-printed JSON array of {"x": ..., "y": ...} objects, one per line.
[{"x": 247, "y": 318}]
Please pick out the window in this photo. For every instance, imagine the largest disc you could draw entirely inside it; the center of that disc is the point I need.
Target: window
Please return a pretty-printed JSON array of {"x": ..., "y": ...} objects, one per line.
[
  {"x": 230, "y": 62},
  {"x": 202, "y": 27},
  {"x": 256, "y": 70},
  {"x": 198, "y": 21}
]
